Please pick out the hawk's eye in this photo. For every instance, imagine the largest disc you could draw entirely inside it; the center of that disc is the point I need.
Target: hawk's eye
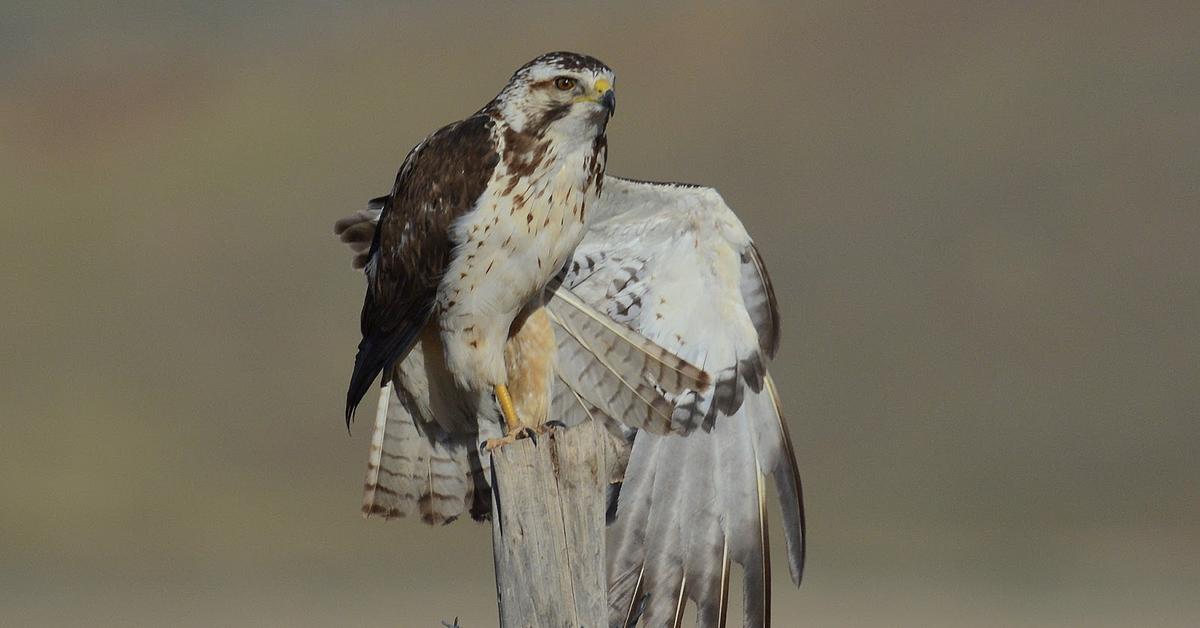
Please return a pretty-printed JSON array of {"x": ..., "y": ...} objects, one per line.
[{"x": 564, "y": 83}]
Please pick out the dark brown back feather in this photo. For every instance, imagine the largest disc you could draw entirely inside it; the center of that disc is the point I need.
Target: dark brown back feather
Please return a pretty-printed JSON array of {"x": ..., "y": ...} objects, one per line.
[{"x": 440, "y": 180}]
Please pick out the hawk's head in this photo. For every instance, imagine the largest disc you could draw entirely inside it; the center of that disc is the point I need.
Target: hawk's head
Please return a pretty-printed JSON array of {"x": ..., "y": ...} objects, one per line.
[{"x": 562, "y": 94}]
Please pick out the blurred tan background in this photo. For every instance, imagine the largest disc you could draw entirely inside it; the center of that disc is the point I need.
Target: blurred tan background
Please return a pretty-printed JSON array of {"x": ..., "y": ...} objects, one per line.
[{"x": 982, "y": 223}]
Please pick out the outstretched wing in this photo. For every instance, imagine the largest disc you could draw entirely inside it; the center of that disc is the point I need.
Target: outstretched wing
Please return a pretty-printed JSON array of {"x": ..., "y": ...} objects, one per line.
[
  {"x": 676, "y": 266},
  {"x": 441, "y": 179},
  {"x": 665, "y": 278}
]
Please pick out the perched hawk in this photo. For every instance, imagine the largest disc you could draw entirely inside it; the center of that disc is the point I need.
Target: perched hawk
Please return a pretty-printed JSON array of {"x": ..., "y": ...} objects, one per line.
[
  {"x": 482, "y": 216},
  {"x": 665, "y": 278}
]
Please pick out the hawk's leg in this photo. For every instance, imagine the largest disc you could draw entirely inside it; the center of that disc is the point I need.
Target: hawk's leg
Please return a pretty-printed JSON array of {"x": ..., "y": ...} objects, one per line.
[
  {"x": 514, "y": 431},
  {"x": 511, "y": 421},
  {"x": 529, "y": 362}
]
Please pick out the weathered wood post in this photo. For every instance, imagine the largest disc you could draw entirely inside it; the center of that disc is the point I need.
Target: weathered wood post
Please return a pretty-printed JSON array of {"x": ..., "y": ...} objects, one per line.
[{"x": 548, "y": 529}]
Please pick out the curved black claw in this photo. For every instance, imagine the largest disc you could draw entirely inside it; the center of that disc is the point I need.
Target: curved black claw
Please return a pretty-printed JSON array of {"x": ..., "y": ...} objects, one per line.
[
  {"x": 527, "y": 432},
  {"x": 555, "y": 424}
]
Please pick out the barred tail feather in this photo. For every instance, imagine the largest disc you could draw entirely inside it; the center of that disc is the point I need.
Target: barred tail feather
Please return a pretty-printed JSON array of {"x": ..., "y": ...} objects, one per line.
[{"x": 412, "y": 473}]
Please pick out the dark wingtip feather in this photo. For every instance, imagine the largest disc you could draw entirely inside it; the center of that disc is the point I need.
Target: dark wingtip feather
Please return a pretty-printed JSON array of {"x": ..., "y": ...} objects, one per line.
[
  {"x": 360, "y": 382},
  {"x": 369, "y": 362},
  {"x": 378, "y": 352}
]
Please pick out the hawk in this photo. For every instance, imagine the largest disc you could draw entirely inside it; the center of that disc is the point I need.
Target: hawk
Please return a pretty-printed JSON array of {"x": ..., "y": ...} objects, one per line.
[
  {"x": 665, "y": 277},
  {"x": 482, "y": 216}
]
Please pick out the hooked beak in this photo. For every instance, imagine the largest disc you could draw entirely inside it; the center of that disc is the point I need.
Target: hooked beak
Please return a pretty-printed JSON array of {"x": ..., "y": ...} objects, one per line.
[
  {"x": 609, "y": 100},
  {"x": 605, "y": 96}
]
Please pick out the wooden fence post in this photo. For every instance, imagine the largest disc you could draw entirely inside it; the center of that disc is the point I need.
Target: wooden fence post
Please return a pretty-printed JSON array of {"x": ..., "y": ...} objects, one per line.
[{"x": 548, "y": 513}]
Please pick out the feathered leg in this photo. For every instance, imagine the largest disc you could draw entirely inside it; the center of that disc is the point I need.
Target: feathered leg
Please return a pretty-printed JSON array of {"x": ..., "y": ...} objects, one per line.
[{"x": 529, "y": 361}]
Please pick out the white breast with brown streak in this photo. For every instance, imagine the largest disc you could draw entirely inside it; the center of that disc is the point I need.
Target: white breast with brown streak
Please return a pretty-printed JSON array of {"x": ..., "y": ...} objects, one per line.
[{"x": 521, "y": 233}]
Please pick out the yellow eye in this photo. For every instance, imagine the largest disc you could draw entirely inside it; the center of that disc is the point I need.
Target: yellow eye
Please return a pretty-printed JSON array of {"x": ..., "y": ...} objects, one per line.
[{"x": 564, "y": 83}]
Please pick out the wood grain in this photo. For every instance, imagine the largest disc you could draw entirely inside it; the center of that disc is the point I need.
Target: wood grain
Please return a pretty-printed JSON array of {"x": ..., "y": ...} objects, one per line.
[{"x": 548, "y": 529}]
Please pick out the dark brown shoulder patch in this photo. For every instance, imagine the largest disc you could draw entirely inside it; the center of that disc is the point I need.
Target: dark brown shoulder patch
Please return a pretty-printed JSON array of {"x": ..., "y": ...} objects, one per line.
[
  {"x": 523, "y": 153},
  {"x": 440, "y": 180}
]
